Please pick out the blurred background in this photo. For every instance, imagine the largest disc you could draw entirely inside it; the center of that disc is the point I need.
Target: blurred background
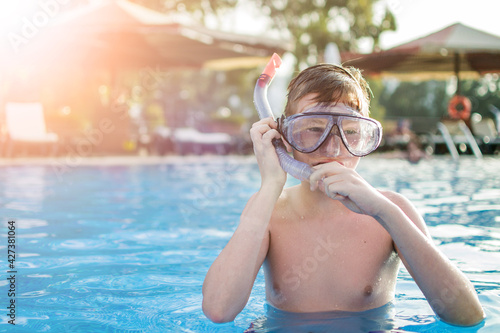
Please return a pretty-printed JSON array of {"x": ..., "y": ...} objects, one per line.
[{"x": 170, "y": 77}]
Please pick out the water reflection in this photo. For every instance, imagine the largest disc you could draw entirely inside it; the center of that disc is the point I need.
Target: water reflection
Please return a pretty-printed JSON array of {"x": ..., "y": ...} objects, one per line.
[
  {"x": 24, "y": 189},
  {"x": 119, "y": 237},
  {"x": 275, "y": 320}
]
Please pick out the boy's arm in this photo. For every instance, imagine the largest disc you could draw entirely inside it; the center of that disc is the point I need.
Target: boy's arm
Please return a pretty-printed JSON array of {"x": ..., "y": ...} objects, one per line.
[
  {"x": 448, "y": 291},
  {"x": 230, "y": 279}
]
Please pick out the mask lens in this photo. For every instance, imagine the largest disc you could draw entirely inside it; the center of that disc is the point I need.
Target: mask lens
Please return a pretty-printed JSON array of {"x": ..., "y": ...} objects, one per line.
[
  {"x": 361, "y": 135},
  {"x": 308, "y": 132}
]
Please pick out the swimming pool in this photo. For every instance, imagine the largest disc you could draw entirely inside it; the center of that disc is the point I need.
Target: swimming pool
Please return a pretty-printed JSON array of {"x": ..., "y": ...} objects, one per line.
[{"x": 122, "y": 248}]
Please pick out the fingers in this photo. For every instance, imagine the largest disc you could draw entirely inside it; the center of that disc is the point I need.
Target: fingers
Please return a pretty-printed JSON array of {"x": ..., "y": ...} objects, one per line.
[
  {"x": 270, "y": 135},
  {"x": 264, "y": 131},
  {"x": 262, "y": 134},
  {"x": 332, "y": 187},
  {"x": 323, "y": 171},
  {"x": 266, "y": 123},
  {"x": 269, "y": 121}
]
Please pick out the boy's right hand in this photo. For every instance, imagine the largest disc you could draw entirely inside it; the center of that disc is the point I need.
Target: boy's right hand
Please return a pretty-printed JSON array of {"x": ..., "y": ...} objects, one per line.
[{"x": 263, "y": 133}]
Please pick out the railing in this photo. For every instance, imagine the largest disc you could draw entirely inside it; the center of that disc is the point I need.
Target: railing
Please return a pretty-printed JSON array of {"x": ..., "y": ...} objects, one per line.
[
  {"x": 470, "y": 138},
  {"x": 448, "y": 140},
  {"x": 450, "y": 143}
]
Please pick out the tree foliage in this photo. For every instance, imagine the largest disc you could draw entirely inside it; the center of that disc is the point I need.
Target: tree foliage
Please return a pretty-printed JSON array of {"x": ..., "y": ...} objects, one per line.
[
  {"x": 197, "y": 9},
  {"x": 311, "y": 24},
  {"x": 315, "y": 23},
  {"x": 415, "y": 99},
  {"x": 429, "y": 99},
  {"x": 483, "y": 94}
]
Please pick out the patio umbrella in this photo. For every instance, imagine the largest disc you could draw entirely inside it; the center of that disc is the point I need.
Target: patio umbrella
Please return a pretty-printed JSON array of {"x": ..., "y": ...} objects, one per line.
[
  {"x": 457, "y": 49},
  {"x": 113, "y": 36},
  {"x": 120, "y": 34}
]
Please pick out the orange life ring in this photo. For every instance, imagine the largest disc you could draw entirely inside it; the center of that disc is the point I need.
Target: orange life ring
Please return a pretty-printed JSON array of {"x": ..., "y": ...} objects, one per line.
[{"x": 459, "y": 107}]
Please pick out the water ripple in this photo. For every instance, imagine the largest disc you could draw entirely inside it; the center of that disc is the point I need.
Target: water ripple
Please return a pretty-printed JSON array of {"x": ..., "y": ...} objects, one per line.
[{"x": 129, "y": 248}]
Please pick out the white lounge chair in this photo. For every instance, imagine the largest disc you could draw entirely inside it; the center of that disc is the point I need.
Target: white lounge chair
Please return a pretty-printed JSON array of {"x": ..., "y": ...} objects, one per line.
[
  {"x": 25, "y": 124},
  {"x": 486, "y": 131},
  {"x": 186, "y": 139}
]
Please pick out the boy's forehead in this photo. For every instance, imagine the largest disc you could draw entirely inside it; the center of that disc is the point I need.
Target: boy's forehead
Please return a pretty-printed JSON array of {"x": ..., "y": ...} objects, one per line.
[
  {"x": 309, "y": 103},
  {"x": 338, "y": 108}
]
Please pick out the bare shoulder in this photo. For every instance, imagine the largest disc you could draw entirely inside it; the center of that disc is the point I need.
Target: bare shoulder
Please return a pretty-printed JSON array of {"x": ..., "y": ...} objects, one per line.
[
  {"x": 285, "y": 201},
  {"x": 407, "y": 207},
  {"x": 288, "y": 195}
]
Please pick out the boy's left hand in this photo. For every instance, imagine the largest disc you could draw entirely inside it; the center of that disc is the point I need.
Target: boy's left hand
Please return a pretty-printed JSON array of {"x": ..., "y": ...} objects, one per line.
[{"x": 348, "y": 187}]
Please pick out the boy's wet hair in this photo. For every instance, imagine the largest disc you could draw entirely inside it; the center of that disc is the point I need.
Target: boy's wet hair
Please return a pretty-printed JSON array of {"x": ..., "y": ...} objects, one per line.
[{"x": 332, "y": 84}]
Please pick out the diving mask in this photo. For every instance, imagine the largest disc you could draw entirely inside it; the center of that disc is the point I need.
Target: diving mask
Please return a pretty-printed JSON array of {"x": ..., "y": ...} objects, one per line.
[{"x": 308, "y": 130}]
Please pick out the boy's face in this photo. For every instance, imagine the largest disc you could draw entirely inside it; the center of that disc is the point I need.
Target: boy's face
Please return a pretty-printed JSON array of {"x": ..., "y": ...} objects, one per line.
[{"x": 333, "y": 149}]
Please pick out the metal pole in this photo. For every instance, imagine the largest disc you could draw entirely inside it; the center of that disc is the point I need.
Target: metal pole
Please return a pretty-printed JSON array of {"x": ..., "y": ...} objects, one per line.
[
  {"x": 457, "y": 71},
  {"x": 450, "y": 144}
]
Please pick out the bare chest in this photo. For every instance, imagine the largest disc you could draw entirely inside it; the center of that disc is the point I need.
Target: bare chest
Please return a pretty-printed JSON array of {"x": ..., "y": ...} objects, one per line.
[{"x": 345, "y": 262}]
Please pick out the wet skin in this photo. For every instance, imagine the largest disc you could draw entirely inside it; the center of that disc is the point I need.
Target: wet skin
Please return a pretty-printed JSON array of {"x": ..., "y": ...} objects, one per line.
[
  {"x": 333, "y": 243},
  {"x": 322, "y": 256}
]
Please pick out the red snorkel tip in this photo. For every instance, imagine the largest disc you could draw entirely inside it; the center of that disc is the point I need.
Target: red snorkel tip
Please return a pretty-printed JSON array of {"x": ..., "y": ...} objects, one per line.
[
  {"x": 272, "y": 65},
  {"x": 299, "y": 170},
  {"x": 270, "y": 70}
]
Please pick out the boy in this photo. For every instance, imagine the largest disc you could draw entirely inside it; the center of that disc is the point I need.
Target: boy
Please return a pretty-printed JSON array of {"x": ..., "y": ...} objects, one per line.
[{"x": 335, "y": 242}]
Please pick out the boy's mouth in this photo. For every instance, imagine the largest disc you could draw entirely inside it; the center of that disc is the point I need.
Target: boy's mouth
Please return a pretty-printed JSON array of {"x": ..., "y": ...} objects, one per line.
[{"x": 327, "y": 161}]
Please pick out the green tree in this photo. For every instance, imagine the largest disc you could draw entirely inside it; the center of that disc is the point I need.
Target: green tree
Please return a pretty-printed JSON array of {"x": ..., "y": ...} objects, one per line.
[
  {"x": 377, "y": 110},
  {"x": 483, "y": 94},
  {"x": 311, "y": 24},
  {"x": 430, "y": 98},
  {"x": 315, "y": 23},
  {"x": 198, "y": 9},
  {"x": 415, "y": 99}
]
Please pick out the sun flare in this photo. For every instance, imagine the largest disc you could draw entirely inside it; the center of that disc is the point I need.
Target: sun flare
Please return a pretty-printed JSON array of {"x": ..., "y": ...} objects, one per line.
[{"x": 11, "y": 13}]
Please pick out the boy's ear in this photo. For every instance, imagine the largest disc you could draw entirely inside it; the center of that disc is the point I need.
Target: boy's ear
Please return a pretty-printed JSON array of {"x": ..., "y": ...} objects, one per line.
[{"x": 287, "y": 145}]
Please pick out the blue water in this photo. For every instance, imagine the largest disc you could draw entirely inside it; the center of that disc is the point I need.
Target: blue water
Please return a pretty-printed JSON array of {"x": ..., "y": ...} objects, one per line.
[{"x": 126, "y": 248}]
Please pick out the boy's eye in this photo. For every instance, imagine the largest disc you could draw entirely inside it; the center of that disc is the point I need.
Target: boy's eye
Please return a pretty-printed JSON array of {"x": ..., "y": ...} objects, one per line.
[
  {"x": 315, "y": 129},
  {"x": 351, "y": 131}
]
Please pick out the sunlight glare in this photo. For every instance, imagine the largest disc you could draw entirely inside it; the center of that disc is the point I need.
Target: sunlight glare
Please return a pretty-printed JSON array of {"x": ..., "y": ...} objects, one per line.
[{"x": 11, "y": 13}]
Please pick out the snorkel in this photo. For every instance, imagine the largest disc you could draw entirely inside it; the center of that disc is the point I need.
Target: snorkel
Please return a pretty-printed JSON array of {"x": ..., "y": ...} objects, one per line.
[{"x": 299, "y": 170}]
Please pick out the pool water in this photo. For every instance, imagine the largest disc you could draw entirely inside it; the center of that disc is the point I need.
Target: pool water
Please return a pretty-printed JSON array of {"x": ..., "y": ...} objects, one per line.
[{"x": 126, "y": 248}]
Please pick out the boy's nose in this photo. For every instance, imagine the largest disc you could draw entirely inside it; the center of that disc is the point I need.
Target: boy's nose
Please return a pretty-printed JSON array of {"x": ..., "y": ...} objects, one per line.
[{"x": 332, "y": 145}]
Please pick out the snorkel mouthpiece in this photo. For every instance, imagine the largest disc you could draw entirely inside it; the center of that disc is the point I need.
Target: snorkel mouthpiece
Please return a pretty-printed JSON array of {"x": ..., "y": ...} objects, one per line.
[{"x": 299, "y": 170}]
